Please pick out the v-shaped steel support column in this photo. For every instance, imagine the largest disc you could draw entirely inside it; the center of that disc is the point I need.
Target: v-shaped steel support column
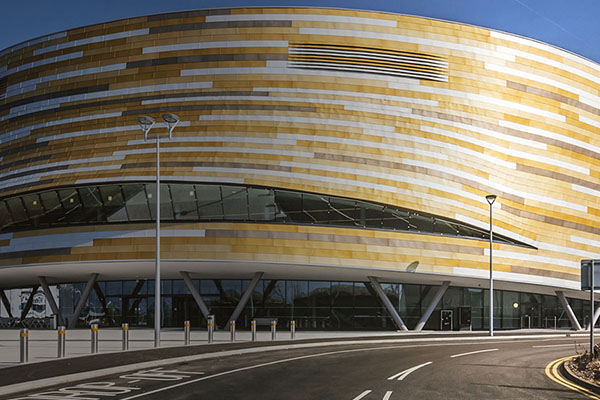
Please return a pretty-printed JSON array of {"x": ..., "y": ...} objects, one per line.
[
  {"x": 434, "y": 302},
  {"x": 50, "y": 298},
  {"x": 596, "y": 315},
  {"x": 238, "y": 309},
  {"x": 6, "y": 303},
  {"x": 29, "y": 303},
  {"x": 190, "y": 285},
  {"x": 387, "y": 303},
  {"x": 84, "y": 296},
  {"x": 568, "y": 310}
]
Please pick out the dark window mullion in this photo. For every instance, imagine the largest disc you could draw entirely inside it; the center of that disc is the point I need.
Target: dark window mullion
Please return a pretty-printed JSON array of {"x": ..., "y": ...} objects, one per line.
[
  {"x": 12, "y": 220},
  {"x": 247, "y": 204},
  {"x": 148, "y": 201},
  {"x": 102, "y": 205},
  {"x": 195, "y": 197},
  {"x": 25, "y": 209},
  {"x": 124, "y": 202},
  {"x": 171, "y": 200},
  {"x": 62, "y": 206},
  {"x": 222, "y": 205}
]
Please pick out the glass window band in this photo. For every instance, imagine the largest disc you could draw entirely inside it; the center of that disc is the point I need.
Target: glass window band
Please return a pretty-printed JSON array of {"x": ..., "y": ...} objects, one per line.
[{"x": 184, "y": 202}]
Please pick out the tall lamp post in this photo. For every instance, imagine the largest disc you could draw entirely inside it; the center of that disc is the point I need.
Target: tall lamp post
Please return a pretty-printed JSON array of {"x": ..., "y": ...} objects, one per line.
[
  {"x": 146, "y": 123},
  {"x": 490, "y": 199}
]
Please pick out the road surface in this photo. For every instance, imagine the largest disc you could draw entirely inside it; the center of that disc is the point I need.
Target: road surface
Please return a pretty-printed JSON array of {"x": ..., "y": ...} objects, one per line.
[{"x": 467, "y": 369}]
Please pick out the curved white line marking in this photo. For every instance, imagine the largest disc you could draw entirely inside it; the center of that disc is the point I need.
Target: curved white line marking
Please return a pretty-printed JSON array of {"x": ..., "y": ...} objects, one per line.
[
  {"x": 406, "y": 372},
  {"x": 363, "y": 394},
  {"x": 258, "y": 366},
  {"x": 473, "y": 352}
]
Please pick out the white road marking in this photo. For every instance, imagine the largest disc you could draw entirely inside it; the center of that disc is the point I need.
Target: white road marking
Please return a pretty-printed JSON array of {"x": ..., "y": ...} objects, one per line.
[
  {"x": 406, "y": 372},
  {"x": 473, "y": 352},
  {"x": 259, "y": 366},
  {"x": 554, "y": 345},
  {"x": 44, "y": 383},
  {"x": 160, "y": 374},
  {"x": 387, "y": 395},
  {"x": 363, "y": 394},
  {"x": 134, "y": 381}
]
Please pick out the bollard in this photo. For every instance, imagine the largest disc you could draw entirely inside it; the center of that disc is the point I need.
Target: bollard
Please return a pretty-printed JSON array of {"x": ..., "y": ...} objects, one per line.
[
  {"x": 125, "y": 336},
  {"x": 211, "y": 327},
  {"x": 253, "y": 329},
  {"x": 186, "y": 332},
  {"x": 61, "y": 342},
  {"x": 232, "y": 330},
  {"x": 94, "y": 330},
  {"x": 24, "y": 345},
  {"x": 273, "y": 330},
  {"x": 555, "y": 322},
  {"x": 293, "y": 329}
]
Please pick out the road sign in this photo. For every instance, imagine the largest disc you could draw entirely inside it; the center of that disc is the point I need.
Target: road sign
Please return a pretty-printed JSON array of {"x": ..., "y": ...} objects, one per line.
[{"x": 585, "y": 274}]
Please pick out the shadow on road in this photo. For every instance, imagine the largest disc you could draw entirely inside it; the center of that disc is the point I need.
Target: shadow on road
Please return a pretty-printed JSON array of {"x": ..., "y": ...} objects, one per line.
[
  {"x": 529, "y": 388},
  {"x": 504, "y": 366}
]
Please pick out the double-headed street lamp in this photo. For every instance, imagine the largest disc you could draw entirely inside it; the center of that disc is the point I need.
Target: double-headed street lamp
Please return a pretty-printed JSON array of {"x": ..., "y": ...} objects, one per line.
[
  {"x": 146, "y": 123},
  {"x": 490, "y": 199}
]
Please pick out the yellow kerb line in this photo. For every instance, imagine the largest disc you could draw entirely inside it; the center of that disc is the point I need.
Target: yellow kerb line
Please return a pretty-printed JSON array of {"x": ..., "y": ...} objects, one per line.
[{"x": 552, "y": 373}]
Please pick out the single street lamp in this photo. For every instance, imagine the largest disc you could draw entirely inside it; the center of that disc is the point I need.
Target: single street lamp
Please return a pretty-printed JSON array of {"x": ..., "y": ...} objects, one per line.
[
  {"x": 146, "y": 123},
  {"x": 490, "y": 199}
]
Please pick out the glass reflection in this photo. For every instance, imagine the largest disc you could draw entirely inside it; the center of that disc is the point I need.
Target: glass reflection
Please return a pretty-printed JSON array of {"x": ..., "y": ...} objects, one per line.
[{"x": 135, "y": 202}]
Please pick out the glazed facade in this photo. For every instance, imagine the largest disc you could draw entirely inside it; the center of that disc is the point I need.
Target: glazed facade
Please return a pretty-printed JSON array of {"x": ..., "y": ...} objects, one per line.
[{"x": 314, "y": 145}]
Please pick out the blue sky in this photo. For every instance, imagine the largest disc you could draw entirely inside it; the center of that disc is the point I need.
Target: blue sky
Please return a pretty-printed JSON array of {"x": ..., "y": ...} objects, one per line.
[{"x": 572, "y": 25}]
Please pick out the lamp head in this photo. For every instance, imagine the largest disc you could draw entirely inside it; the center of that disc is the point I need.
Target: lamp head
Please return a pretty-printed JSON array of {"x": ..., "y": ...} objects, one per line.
[
  {"x": 146, "y": 123},
  {"x": 171, "y": 120},
  {"x": 490, "y": 198}
]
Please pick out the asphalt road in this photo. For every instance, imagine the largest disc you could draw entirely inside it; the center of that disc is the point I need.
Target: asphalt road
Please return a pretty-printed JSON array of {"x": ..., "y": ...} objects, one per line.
[{"x": 508, "y": 369}]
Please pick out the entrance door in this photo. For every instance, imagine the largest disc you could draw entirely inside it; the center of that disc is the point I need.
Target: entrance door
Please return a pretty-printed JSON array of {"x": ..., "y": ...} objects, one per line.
[
  {"x": 186, "y": 309},
  {"x": 135, "y": 311},
  {"x": 534, "y": 312}
]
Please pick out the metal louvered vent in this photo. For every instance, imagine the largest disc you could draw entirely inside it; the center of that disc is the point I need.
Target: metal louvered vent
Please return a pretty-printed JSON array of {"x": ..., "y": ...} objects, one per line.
[{"x": 368, "y": 60}]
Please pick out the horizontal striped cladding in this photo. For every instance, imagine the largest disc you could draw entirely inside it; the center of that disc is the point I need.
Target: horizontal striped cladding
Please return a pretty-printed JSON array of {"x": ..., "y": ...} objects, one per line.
[
  {"x": 407, "y": 111},
  {"x": 285, "y": 244}
]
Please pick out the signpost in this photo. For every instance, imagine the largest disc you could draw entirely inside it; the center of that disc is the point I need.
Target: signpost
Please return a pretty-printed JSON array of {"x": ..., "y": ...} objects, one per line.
[{"x": 590, "y": 274}]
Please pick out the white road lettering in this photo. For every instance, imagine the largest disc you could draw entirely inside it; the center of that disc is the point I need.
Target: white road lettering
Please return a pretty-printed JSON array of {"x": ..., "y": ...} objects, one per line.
[
  {"x": 159, "y": 374},
  {"x": 83, "y": 391},
  {"x": 473, "y": 352},
  {"x": 363, "y": 394},
  {"x": 406, "y": 372}
]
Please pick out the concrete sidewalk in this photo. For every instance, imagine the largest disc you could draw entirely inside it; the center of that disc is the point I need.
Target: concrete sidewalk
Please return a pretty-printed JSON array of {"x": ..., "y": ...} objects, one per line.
[{"x": 43, "y": 343}]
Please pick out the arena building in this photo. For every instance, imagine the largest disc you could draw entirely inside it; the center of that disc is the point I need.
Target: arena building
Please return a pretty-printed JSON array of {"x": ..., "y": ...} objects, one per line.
[{"x": 329, "y": 166}]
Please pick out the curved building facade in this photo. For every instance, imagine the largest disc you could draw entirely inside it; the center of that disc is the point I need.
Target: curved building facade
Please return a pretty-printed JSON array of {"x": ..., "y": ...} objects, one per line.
[{"x": 322, "y": 146}]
